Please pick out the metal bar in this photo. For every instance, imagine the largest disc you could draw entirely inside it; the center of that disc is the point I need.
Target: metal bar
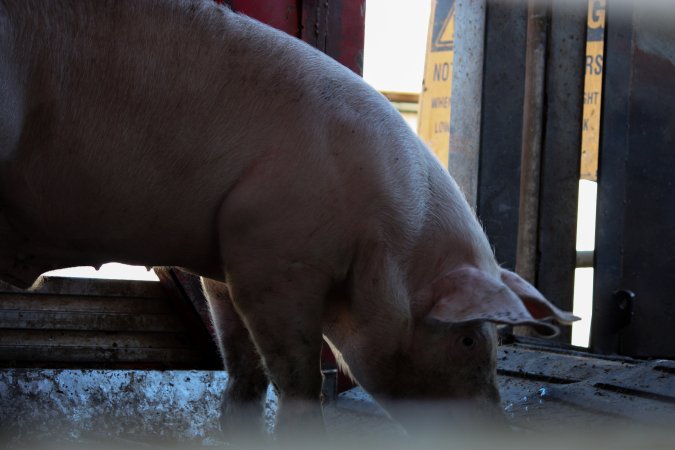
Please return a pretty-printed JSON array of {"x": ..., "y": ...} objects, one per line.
[
  {"x": 644, "y": 296},
  {"x": 467, "y": 83},
  {"x": 533, "y": 127},
  {"x": 348, "y": 48},
  {"x": 584, "y": 259},
  {"x": 561, "y": 154},
  {"x": 501, "y": 129},
  {"x": 614, "y": 146},
  {"x": 337, "y": 28}
]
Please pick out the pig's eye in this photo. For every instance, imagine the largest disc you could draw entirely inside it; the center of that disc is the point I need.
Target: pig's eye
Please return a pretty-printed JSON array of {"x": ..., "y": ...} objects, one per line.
[{"x": 468, "y": 342}]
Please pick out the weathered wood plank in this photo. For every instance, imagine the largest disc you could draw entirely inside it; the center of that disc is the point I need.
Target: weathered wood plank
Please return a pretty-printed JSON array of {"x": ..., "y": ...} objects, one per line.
[
  {"x": 91, "y": 287},
  {"x": 48, "y": 320},
  {"x": 84, "y": 355},
  {"x": 100, "y": 304},
  {"x": 184, "y": 292},
  {"x": 101, "y": 339}
]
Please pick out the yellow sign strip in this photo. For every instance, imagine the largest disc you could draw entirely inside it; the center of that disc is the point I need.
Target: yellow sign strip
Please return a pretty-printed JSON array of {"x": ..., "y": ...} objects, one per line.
[
  {"x": 434, "y": 116},
  {"x": 590, "y": 137}
]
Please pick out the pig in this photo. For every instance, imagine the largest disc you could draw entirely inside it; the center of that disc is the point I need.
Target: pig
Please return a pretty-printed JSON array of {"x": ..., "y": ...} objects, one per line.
[{"x": 179, "y": 133}]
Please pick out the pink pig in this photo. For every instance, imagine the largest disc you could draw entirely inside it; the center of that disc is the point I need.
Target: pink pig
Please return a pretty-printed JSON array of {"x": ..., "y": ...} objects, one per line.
[{"x": 175, "y": 132}]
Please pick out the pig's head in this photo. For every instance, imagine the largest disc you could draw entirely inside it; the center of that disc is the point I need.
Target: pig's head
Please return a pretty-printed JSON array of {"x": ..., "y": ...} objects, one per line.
[{"x": 448, "y": 362}]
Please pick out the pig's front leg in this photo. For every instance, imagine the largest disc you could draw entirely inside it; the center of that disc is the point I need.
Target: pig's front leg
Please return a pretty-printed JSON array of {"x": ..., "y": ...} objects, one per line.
[
  {"x": 243, "y": 402},
  {"x": 282, "y": 308}
]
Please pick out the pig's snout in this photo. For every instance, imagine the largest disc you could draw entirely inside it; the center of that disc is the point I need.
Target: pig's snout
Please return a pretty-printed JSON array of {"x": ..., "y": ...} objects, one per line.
[{"x": 437, "y": 418}]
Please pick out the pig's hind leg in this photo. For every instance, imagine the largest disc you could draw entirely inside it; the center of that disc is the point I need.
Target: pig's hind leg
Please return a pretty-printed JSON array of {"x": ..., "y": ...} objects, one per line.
[{"x": 244, "y": 400}]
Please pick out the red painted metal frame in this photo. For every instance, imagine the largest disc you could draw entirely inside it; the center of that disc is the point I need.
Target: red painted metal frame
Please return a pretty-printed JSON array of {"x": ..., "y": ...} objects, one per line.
[
  {"x": 281, "y": 14},
  {"x": 335, "y": 27}
]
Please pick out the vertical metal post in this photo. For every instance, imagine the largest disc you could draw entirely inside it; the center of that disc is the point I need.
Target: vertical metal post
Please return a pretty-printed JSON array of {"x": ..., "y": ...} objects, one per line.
[
  {"x": 634, "y": 306},
  {"x": 614, "y": 151},
  {"x": 561, "y": 153},
  {"x": 533, "y": 126},
  {"x": 501, "y": 125},
  {"x": 467, "y": 90},
  {"x": 336, "y": 27}
]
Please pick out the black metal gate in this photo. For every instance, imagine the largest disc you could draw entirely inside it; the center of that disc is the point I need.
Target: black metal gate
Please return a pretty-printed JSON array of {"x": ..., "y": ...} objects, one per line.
[
  {"x": 634, "y": 295},
  {"x": 634, "y": 284}
]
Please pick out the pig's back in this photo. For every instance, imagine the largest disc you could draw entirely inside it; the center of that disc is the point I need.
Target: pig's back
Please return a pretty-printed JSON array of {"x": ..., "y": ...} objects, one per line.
[{"x": 140, "y": 116}]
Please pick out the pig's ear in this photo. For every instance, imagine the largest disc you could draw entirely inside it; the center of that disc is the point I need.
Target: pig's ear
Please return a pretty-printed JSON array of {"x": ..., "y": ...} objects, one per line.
[
  {"x": 534, "y": 301},
  {"x": 469, "y": 294}
]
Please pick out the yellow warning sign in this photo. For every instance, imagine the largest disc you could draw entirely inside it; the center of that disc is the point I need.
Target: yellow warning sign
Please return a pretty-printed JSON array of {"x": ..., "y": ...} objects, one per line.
[
  {"x": 444, "y": 39},
  {"x": 590, "y": 137},
  {"x": 434, "y": 115}
]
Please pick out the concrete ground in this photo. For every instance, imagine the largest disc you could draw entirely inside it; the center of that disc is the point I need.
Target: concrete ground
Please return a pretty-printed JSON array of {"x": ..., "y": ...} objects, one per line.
[{"x": 566, "y": 399}]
